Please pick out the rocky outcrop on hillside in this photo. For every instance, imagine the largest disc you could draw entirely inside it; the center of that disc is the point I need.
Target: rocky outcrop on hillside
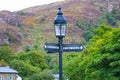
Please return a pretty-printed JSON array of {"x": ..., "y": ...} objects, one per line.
[
  {"x": 9, "y": 35},
  {"x": 106, "y": 5},
  {"x": 10, "y": 18}
]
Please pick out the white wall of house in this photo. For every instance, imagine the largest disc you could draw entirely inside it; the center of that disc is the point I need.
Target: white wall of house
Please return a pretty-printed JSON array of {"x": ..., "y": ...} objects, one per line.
[{"x": 18, "y": 77}]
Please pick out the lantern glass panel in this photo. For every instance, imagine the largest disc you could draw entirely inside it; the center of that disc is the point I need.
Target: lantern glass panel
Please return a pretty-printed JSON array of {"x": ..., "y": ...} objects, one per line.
[{"x": 60, "y": 30}]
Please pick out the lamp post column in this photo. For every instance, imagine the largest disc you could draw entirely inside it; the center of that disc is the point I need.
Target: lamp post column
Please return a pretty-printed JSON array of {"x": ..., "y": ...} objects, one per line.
[
  {"x": 60, "y": 31},
  {"x": 60, "y": 40}
]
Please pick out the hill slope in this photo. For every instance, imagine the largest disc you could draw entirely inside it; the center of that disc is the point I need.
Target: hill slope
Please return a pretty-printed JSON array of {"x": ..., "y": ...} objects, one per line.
[{"x": 32, "y": 27}]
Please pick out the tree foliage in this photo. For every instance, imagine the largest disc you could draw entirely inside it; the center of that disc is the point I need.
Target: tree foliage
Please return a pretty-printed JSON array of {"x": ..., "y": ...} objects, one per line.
[
  {"x": 34, "y": 58},
  {"x": 28, "y": 64},
  {"x": 101, "y": 59},
  {"x": 23, "y": 68},
  {"x": 6, "y": 54},
  {"x": 3, "y": 63},
  {"x": 45, "y": 75},
  {"x": 53, "y": 62}
]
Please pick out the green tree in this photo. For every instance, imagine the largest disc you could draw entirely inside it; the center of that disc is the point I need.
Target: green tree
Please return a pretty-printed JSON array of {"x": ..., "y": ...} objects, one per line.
[
  {"x": 53, "y": 62},
  {"x": 111, "y": 19},
  {"x": 44, "y": 75},
  {"x": 6, "y": 54},
  {"x": 104, "y": 55},
  {"x": 3, "y": 63},
  {"x": 101, "y": 59},
  {"x": 72, "y": 68},
  {"x": 24, "y": 69},
  {"x": 33, "y": 58}
]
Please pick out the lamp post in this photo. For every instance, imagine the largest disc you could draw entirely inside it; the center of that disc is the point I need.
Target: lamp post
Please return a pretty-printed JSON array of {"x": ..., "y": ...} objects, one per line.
[{"x": 60, "y": 32}]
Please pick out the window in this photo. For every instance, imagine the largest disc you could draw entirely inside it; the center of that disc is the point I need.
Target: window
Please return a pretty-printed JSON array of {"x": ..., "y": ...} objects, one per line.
[
  {"x": 10, "y": 77},
  {"x": 0, "y": 77}
]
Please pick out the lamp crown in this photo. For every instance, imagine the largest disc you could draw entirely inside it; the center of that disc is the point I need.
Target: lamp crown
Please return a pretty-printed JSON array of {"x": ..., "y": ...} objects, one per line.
[
  {"x": 59, "y": 11},
  {"x": 59, "y": 8},
  {"x": 60, "y": 19}
]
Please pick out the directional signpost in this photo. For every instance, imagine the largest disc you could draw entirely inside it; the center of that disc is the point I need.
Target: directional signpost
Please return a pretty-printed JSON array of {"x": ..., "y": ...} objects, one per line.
[
  {"x": 51, "y": 47},
  {"x": 60, "y": 23},
  {"x": 72, "y": 47},
  {"x": 54, "y": 48}
]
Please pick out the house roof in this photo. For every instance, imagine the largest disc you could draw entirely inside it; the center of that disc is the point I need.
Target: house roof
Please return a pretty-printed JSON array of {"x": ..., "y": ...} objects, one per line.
[{"x": 7, "y": 70}]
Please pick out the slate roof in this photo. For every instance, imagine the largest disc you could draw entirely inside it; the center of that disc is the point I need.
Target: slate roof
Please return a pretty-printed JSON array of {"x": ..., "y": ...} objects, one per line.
[{"x": 7, "y": 70}]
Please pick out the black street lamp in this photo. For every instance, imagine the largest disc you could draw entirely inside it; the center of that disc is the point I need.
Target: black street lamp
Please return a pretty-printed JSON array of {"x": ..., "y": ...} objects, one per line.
[{"x": 60, "y": 32}]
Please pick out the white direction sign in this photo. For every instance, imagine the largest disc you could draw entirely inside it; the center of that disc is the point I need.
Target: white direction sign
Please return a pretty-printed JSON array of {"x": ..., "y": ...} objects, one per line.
[
  {"x": 51, "y": 47},
  {"x": 72, "y": 47},
  {"x": 54, "y": 48}
]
